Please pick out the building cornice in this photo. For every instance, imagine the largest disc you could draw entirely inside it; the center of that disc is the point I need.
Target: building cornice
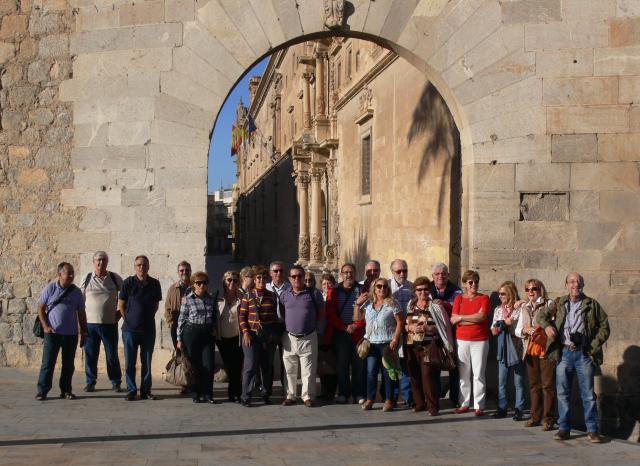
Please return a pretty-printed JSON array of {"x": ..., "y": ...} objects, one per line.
[{"x": 265, "y": 82}]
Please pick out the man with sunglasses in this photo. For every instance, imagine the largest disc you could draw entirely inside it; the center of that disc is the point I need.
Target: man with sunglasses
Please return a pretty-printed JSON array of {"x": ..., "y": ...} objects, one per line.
[
  {"x": 577, "y": 329},
  {"x": 175, "y": 297},
  {"x": 277, "y": 285},
  {"x": 303, "y": 307}
]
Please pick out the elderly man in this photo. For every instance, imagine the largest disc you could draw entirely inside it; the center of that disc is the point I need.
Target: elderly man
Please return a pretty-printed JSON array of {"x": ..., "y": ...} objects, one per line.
[
  {"x": 100, "y": 289},
  {"x": 444, "y": 292},
  {"x": 60, "y": 309},
  {"x": 576, "y": 334},
  {"x": 172, "y": 303},
  {"x": 138, "y": 303},
  {"x": 402, "y": 291},
  {"x": 303, "y": 307},
  {"x": 277, "y": 285},
  {"x": 371, "y": 271}
]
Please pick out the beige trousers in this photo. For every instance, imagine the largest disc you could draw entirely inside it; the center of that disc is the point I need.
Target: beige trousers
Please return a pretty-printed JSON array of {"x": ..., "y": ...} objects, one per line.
[{"x": 302, "y": 352}]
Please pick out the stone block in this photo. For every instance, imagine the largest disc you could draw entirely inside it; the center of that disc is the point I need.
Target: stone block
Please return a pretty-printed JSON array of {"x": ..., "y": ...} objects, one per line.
[
  {"x": 245, "y": 20},
  {"x": 7, "y": 52},
  {"x": 619, "y": 147},
  {"x": 624, "y": 32},
  {"x": 289, "y": 19},
  {"x": 41, "y": 116},
  {"x": 83, "y": 242},
  {"x": 599, "y": 235},
  {"x": 553, "y": 279},
  {"x": 179, "y": 10},
  {"x": 135, "y": 178},
  {"x": 22, "y": 96},
  {"x": 516, "y": 150},
  {"x": 185, "y": 197},
  {"x": 122, "y": 62},
  {"x": 574, "y": 148},
  {"x": 107, "y": 196},
  {"x": 51, "y": 157},
  {"x": 610, "y": 176},
  {"x": 184, "y": 88},
  {"x": 628, "y": 8},
  {"x": 97, "y": 17},
  {"x": 629, "y": 91},
  {"x": 584, "y": 206},
  {"x": 616, "y": 61},
  {"x": 510, "y": 125},
  {"x": 78, "y": 197},
  {"x": 90, "y": 135},
  {"x": 560, "y": 236},
  {"x": 493, "y": 235},
  {"x": 109, "y": 157},
  {"x": 13, "y": 26},
  {"x": 113, "y": 110},
  {"x": 170, "y": 109},
  {"x": 130, "y": 133},
  {"x": 32, "y": 177},
  {"x": 516, "y": 67},
  {"x": 588, "y": 9},
  {"x": 616, "y": 205},
  {"x": 170, "y": 156},
  {"x": 396, "y": 21},
  {"x": 625, "y": 282},
  {"x": 91, "y": 178},
  {"x": 496, "y": 259},
  {"x": 156, "y": 220},
  {"x": 193, "y": 215},
  {"x": 143, "y": 197},
  {"x": 54, "y": 46},
  {"x": 124, "y": 38},
  {"x": 601, "y": 119},
  {"x": 580, "y": 91},
  {"x": 145, "y": 12},
  {"x": 620, "y": 260},
  {"x": 542, "y": 177},
  {"x": 270, "y": 22},
  {"x": 178, "y": 179},
  {"x": 540, "y": 260},
  {"x": 544, "y": 206},
  {"x": 531, "y": 11},
  {"x": 566, "y": 35},
  {"x": 7, "y": 7},
  {"x": 495, "y": 207},
  {"x": 18, "y": 154},
  {"x": 201, "y": 71},
  {"x": 494, "y": 177},
  {"x": 165, "y": 132},
  {"x": 564, "y": 63},
  {"x": 634, "y": 119}
]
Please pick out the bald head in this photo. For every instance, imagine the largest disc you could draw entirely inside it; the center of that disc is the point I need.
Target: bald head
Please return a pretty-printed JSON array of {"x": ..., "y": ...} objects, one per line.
[{"x": 574, "y": 282}]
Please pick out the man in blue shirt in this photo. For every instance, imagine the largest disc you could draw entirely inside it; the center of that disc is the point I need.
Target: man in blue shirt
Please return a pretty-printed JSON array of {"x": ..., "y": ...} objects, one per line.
[
  {"x": 138, "y": 302},
  {"x": 61, "y": 310}
]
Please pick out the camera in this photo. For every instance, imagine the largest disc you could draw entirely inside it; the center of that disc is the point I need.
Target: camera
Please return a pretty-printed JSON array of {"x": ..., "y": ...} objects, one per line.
[{"x": 577, "y": 339}]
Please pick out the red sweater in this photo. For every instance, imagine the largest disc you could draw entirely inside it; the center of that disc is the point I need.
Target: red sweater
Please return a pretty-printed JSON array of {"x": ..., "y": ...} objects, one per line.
[{"x": 464, "y": 306}]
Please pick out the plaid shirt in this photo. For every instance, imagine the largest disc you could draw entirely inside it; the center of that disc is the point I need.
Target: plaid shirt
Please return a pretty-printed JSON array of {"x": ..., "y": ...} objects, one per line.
[{"x": 198, "y": 311}]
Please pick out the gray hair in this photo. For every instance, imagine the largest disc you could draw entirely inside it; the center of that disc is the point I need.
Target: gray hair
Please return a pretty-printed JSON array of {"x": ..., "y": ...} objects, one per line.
[
  {"x": 439, "y": 265},
  {"x": 372, "y": 261},
  {"x": 401, "y": 261},
  {"x": 100, "y": 254},
  {"x": 276, "y": 263}
]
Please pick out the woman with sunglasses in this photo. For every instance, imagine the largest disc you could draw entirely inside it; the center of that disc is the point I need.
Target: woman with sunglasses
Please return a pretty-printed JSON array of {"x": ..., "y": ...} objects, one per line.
[
  {"x": 229, "y": 330},
  {"x": 469, "y": 314},
  {"x": 427, "y": 323},
  {"x": 541, "y": 371},
  {"x": 197, "y": 329},
  {"x": 384, "y": 326},
  {"x": 505, "y": 320}
]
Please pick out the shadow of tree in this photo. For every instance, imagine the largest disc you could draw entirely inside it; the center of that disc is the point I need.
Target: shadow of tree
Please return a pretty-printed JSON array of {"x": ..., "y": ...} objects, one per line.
[{"x": 359, "y": 253}]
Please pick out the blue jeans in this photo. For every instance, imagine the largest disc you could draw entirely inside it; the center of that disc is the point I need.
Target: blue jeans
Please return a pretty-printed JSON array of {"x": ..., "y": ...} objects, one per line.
[
  {"x": 53, "y": 343},
  {"x": 108, "y": 335},
  {"x": 374, "y": 364},
  {"x": 132, "y": 341},
  {"x": 350, "y": 367},
  {"x": 582, "y": 365},
  {"x": 518, "y": 380}
]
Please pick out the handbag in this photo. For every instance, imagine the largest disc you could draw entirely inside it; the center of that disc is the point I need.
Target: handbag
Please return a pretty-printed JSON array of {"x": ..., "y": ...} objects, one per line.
[
  {"x": 439, "y": 357},
  {"x": 362, "y": 348},
  {"x": 537, "y": 343},
  {"x": 179, "y": 371}
]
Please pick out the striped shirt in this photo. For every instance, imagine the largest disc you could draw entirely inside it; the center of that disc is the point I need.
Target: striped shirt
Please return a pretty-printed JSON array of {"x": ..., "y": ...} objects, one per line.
[
  {"x": 197, "y": 311},
  {"x": 257, "y": 307}
]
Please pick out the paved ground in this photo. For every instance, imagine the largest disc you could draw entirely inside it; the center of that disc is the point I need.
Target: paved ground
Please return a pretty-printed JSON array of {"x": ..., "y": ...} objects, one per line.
[{"x": 101, "y": 428}]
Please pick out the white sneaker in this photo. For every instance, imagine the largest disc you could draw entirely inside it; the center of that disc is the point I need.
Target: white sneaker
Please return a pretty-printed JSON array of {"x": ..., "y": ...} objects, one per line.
[{"x": 361, "y": 401}]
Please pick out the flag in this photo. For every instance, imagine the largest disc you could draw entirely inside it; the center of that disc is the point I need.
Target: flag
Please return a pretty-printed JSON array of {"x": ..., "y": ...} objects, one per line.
[
  {"x": 251, "y": 124},
  {"x": 236, "y": 139}
]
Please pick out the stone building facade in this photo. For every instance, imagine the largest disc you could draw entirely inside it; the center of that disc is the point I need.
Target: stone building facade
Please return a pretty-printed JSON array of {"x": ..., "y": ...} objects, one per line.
[{"x": 107, "y": 107}]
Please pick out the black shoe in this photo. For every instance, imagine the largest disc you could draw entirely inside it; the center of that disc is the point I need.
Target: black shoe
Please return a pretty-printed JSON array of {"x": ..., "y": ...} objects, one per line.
[
  {"x": 90, "y": 388},
  {"x": 232, "y": 399},
  {"x": 517, "y": 415},
  {"x": 148, "y": 396},
  {"x": 195, "y": 399},
  {"x": 246, "y": 403},
  {"x": 117, "y": 388},
  {"x": 499, "y": 414},
  {"x": 208, "y": 399},
  {"x": 267, "y": 400},
  {"x": 130, "y": 396}
]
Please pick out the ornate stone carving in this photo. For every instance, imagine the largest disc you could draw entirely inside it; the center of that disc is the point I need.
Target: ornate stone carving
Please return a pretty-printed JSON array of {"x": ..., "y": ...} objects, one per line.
[
  {"x": 316, "y": 248},
  {"x": 333, "y": 13},
  {"x": 303, "y": 247},
  {"x": 366, "y": 97}
]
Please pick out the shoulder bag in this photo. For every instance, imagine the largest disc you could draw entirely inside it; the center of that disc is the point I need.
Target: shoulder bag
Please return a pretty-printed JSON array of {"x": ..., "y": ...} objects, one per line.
[{"x": 38, "y": 331}]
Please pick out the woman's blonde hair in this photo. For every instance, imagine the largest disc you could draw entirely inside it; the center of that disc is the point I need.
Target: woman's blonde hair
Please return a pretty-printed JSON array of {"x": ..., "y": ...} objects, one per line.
[
  {"x": 538, "y": 283},
  {"x": 512, "y": 292},
  {"x": 388, "y": 297}
]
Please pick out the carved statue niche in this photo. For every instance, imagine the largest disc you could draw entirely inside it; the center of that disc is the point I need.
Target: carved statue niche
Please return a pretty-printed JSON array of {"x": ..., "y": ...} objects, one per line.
[
  {"x": 303, "y": 247},
  {"x": 333, "y": 13},
  {"x": 365, "y": 99}
]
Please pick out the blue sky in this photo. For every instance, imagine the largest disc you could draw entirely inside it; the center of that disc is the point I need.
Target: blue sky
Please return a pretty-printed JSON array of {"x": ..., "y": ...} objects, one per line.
[{"x": 222, "y": 167}]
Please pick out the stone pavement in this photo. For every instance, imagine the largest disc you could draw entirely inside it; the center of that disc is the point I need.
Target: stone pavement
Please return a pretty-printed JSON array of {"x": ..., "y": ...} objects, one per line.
[{"x": 101, "y": 428}]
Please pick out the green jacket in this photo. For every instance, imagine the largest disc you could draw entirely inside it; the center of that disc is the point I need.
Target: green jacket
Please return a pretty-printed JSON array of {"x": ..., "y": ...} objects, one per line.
[{"x": 596, "y": 327}]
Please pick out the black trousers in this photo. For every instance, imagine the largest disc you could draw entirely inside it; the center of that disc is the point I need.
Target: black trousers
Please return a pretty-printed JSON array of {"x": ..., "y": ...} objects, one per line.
[
  {"x": 199, "y": 347},
  {"x": 231, "y": 354}
]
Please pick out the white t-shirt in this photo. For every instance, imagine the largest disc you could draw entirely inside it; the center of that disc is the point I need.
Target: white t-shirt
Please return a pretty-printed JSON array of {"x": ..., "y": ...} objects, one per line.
[{"x": 101, "y": 298}]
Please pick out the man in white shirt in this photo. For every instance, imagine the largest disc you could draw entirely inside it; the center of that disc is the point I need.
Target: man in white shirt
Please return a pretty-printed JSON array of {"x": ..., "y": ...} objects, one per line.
[
  {"x": 278, "y": 284},
  {"x": 100, "y": 289}
]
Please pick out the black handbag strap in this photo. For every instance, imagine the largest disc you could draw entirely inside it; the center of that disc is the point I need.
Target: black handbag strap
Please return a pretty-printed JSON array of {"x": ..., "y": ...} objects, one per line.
[{"x": 59, "y": 298}]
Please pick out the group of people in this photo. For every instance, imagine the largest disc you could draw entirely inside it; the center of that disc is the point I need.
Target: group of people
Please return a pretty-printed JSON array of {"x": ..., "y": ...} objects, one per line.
[{"x": 352, "y": 330}]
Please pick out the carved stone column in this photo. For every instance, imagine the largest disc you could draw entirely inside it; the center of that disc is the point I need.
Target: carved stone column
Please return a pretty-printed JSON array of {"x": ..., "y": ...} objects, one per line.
[
  {"x": 317, "y": 248},
  {"x": 302, "y": 183},
  {"x": 321, "y": 100},
  {"x": 306, "y": 102}
]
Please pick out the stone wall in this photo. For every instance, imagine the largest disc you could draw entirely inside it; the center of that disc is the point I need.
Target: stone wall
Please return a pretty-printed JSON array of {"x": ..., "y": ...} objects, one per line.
[{"x": 35, "y": 164}]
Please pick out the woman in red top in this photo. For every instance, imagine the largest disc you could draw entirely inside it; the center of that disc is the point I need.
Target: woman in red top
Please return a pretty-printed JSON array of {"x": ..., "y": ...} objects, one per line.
[{"x": 470, "y": 315}]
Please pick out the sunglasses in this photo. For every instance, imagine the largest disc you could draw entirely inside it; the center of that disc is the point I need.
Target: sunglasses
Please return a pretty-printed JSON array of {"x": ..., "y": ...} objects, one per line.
[
  {"x": 184, "y": 271},
  {"x": 231, "y": 280},
  {"x": 533, "y": 288},
  {"x": 277, "y": 271},
  {"x": 297, "y": 276},
  {"x": 472, "y": 282},
  {"x": 419, "y": 290},
  {"x": 401, "y": 271},
  {"x": 381, "y": 286},
  {"x": 201, "y": 282}
]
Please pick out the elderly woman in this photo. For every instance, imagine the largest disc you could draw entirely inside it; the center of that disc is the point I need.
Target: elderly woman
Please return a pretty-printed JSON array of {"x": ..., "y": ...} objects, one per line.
[
  {"x": 229, "y": 333},
  {"x": 541, "y": 371},
  {"x": 328, "y": 282},
  {"x": 259, "y": 326},
  {"x": 469, "y": 315},
  {"x": 197, "y": 329},
  {"x": 384, "y": 326},
  {"x": 427, "y": 323},
  {"x": 503, "y": 326},
  {"x": 246, "y": 279}
]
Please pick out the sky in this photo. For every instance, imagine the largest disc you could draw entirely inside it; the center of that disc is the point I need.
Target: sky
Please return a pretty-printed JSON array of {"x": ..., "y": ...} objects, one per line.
[{"x": 222, "y": 167}]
